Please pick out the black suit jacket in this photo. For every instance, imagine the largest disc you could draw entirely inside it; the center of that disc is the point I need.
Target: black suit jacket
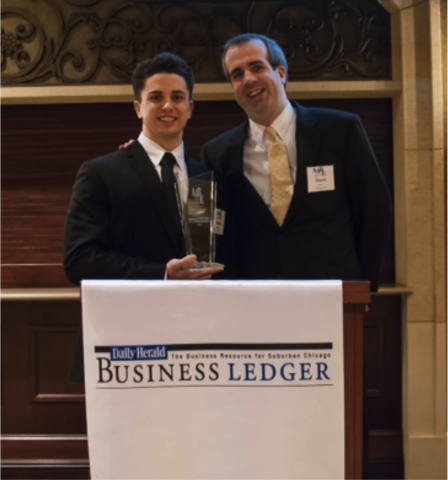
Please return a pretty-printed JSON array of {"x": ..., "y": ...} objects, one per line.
[
  {"x": 119, "y": 224},
  {"x": 338, "y": 234}
]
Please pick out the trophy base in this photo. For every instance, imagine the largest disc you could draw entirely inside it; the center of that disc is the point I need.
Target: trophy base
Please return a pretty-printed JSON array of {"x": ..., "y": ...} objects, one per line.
[{"x": 203, "y": 265}]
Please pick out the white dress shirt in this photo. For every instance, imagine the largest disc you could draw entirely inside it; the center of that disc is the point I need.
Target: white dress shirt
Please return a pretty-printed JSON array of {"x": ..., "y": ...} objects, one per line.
[
  {"x": 156, "y": 153},
  {"x": 256, "y": 163}
]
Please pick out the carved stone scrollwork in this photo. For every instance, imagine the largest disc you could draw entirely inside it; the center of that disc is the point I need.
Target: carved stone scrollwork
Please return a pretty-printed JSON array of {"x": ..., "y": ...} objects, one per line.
[
  {"x": 83, "y": 3},
  {"x": 199, "y": 35},
  {"x": 125, "y": 37},
  {"x": 110, "y": 44},
  {"x": 100, "y": 41},
  {"x": 10, "y": 43},
  {"x": 332, "y": 38},
  {"x": 18, "y": 60}
]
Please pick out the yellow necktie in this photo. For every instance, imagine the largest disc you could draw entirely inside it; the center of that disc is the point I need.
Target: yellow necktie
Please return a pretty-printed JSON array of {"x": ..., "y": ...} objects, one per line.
[{"x": 281, "y": 182}]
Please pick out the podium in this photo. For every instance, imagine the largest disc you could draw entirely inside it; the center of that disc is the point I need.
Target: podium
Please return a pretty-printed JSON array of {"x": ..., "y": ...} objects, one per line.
[
  {"x": 224, "y": 379},
  {"x": 356, "y": 296}
]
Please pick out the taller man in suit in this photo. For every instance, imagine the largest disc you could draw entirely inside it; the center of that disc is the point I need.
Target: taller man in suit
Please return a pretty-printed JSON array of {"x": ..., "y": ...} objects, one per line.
[
  {"x": 338, "y": 215},
  {"x": 122, "y": 221}
]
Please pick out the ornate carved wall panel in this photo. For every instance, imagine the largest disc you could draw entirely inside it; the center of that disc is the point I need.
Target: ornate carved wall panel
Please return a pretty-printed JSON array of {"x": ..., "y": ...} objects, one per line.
[
  {"x": 382, "y": 377},
  {"x": 382, "y": 354},
  {"x": 49, "y": 378},
  {"x": 38, "y": 343},
  {"x": 56, "y": 42}
]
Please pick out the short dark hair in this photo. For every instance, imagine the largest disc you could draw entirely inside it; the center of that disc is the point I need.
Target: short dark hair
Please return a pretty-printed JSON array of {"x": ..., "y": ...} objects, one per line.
[
  {"x": 276, "y": 56},
  {"x": 162, "y": 63}
]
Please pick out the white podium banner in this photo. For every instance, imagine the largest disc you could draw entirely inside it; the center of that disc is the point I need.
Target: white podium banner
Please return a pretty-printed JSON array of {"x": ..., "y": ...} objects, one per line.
[{"x": 214, "y": 380}]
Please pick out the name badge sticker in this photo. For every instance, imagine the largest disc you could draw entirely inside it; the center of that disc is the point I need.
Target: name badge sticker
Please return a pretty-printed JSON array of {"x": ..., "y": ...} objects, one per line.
[
  {"x": 320, "y": 179},
  {"x": 219, "y": 221}
]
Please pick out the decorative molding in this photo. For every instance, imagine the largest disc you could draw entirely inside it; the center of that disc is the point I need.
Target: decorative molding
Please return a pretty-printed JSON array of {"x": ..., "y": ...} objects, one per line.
[
  {"x": 40, "y": 294},
  {"x": 66, "y": 94},
  {"x": 45, "y": 456},
  {"x": 396, "y": 6},
  {"x": 42, "y": 375},
  {"x": 70, "y": 42},
  {"x": 74, "y": 294}
]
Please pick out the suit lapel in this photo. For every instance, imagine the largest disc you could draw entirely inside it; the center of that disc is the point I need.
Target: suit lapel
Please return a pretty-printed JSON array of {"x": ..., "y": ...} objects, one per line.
[
  {"x": 248, "y": 199},
  {"x": 235, "y": 149},
  {"x": 307, "y": 138},
  {"x": 146, "y": 172},
  {"x": 245, "y": 193},
  {"x": 308, "y": 144}
]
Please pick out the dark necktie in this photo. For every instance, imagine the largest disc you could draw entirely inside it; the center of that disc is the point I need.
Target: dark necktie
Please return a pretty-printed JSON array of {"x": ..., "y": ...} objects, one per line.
[{"x": 169, "y": 181}]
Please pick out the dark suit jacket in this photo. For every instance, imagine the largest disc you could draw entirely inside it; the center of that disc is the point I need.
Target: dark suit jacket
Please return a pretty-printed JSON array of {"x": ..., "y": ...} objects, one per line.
[
  {"x": 339, "y": 234},
  {"x": 118, "y": 224}
]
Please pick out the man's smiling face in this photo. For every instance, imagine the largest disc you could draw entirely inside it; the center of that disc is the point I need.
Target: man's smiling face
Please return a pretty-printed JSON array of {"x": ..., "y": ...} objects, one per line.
[
  {"x": 165, "y": 109},
  {"x": 258, "y": 88}
]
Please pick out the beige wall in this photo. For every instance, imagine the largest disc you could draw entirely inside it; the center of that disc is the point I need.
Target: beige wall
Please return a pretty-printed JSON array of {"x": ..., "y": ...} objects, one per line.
[{"x": 419, "y": 53}]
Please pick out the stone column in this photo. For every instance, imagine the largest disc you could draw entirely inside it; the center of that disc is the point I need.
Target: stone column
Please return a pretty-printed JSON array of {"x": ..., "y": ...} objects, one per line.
[{"x": 419, "y": 62}]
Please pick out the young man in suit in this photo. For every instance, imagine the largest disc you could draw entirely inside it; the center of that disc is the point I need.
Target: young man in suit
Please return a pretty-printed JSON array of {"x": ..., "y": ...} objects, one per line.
[
  {"x": 120, "y": 223},
  {"x": 123, "y": 221},
  {"x": 338, "y": 212}
]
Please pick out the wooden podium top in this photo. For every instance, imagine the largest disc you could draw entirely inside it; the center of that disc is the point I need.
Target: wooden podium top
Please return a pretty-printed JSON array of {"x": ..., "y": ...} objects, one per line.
[{"x": 356, "y": 292}]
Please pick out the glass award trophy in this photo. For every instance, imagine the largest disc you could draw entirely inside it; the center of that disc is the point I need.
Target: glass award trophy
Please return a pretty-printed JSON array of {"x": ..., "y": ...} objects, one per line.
[{"x": 197, "y": 216}]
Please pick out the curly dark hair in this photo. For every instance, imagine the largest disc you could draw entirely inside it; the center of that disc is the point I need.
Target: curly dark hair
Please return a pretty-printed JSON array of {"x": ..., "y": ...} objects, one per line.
[{"x": 161, "y": 63}]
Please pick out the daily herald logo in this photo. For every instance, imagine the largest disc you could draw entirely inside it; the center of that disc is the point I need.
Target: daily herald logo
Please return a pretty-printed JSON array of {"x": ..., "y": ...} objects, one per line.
[
  {"x": 214, "y": 365},
  {"x": 142, "y": 352}
]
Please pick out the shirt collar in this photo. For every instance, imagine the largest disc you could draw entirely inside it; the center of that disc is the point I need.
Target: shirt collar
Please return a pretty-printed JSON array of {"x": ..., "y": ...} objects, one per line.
[
  {"x": 156, "y": 152},
  {"x": 281, "y": 124}
]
